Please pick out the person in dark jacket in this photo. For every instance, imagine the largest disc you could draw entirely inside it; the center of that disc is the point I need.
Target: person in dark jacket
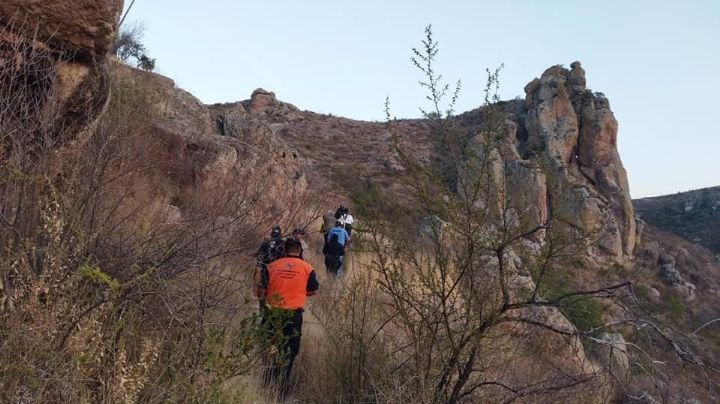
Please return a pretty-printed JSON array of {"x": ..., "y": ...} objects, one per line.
[
  {"x": 334, "y": 252},
  {"x": 284, "y": 286},
  {"x": 269, "y": 251},
  {"x": 334, "y": 249}
]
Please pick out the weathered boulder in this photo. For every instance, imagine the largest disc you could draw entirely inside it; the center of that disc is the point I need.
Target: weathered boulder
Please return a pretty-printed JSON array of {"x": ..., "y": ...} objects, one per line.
[
  {"x": 614, "y": 354},
  {"x": 672, "y": 277},
  {"x": 261, "y": 100},
  {"x": 84, "y": 27},
  {"x": 654, "y": 294},
  {"x": 59, "y": 47}
]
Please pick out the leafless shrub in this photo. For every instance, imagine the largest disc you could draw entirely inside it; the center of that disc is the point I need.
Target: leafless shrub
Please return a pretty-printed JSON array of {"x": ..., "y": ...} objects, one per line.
[
  {"x": 483, "y": 307},
  {"x": 119, "y": 283}
]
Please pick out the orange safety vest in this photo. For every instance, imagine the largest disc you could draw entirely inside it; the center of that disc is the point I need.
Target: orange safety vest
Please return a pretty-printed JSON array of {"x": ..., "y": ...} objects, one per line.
[{"x": 287, "y": 286}]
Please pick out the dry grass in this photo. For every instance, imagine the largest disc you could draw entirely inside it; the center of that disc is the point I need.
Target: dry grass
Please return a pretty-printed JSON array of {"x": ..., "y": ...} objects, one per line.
[{"x": 118, "y": 279}]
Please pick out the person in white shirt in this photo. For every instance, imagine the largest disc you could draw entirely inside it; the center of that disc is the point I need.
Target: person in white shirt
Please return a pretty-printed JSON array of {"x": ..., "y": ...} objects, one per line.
[{"x": 346, "y": 220}]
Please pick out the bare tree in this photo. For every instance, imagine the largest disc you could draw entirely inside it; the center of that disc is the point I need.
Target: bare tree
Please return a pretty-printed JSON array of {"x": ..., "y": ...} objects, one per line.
[
  {"x": 119, "y": 282},
  {"x": 483, "y": 307}
]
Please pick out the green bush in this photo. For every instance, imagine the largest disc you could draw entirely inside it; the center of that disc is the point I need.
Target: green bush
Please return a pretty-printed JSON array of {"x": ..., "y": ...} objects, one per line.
[
  {"x": 676, "y": 306},
  {"x": 585, "y": 314}
]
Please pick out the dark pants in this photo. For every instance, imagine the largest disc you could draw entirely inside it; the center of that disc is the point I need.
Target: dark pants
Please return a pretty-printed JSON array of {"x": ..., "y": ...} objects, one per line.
[
  {"x": 284, "y": 329},
  {"x": 333, "y": 264}
]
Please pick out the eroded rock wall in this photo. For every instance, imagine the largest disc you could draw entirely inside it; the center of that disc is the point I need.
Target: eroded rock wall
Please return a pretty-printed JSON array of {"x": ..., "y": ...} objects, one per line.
[
  {"x": 84, "y": 27},
  {"x": 62, "y": 44},
  {"x": 574, "y": 131}
]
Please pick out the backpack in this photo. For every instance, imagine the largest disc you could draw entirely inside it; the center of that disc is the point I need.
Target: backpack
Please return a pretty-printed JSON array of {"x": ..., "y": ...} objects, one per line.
[
  {"x": 271, "y": 250},
  {"x": 276, "y": 249}
]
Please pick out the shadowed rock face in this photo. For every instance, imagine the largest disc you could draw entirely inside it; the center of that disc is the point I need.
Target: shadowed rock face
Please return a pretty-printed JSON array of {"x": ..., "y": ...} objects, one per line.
[
  {"x": 85, "y": 27},
  {"x": 72, "y": 37}
]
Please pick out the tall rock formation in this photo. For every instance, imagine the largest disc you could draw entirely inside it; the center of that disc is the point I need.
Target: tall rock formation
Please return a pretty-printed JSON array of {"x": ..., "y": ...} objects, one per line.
[
  {"x": 575, "y": 132},
  {"x": 557, "y": 157}
]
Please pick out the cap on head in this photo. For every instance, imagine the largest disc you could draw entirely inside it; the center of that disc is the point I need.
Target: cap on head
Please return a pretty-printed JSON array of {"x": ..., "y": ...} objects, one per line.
[{"x": 276, "y": 231}]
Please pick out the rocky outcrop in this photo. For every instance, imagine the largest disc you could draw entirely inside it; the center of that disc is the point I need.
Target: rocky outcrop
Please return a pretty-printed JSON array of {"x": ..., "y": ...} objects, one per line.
[
  {"x": 575, "y": 132},
  {"x": 85, "y": 28},
  {"x": 557, "y": 157},
  {"x": 59, "y": 47},
  {"x": 615, "y": 354},
  {"x": 210, "y": 147},
  {"x": 672, "y": 277},
  {"x": 263, "y": 101}
]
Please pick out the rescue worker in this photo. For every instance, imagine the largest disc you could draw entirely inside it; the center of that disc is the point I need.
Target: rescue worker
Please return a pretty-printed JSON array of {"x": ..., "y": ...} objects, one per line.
[{"x": 284, "y": 286}]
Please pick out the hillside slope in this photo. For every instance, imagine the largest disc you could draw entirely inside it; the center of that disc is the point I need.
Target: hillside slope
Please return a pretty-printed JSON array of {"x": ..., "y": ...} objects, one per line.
[
  {"x": 692, "y": 215},
  {"x": 131, "y": 213},
  {"x": 558, "y": 154}
]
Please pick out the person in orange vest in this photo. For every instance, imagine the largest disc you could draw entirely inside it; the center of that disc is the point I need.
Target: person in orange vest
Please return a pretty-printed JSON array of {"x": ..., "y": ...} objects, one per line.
[{"x": 284, "y": 286}]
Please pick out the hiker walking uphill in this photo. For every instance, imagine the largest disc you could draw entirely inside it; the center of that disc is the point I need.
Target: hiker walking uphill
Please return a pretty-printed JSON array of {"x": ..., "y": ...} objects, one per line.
[
  {"x": 334, "y": 249},
  {"x": 269, "y": 251},
  {"x": 342, "y": 215},
  {"x": 284, "y": 286},
  {"x": 346, "y": 220},
  {"x": 299, "y": 235}
]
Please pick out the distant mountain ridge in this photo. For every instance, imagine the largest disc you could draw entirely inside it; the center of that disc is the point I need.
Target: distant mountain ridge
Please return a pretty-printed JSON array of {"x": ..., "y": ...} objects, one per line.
[{"x": 692, "y": 215}]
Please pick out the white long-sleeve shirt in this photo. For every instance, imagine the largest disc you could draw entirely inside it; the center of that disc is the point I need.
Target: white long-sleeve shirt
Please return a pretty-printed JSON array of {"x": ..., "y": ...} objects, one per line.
[{"x": 346, "y": 219}]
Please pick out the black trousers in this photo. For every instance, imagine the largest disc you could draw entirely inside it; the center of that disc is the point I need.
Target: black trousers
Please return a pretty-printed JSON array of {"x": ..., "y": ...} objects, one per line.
[
  {"x": 333, "y": 264},
  {"x": 284, "y": 330}
]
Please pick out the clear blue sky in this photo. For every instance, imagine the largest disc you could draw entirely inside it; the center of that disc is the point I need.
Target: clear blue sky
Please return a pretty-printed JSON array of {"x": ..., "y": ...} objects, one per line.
[{"x": 657, "y": 61}]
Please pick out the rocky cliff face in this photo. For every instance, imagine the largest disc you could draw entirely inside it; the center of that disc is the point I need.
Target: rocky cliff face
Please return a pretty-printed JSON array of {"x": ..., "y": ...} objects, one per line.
[
  {"x": 84, "y": 27},
  {"x": 575, "y": 132},
  {"x": 61, "y": 47},
  {"x": 559, "y": 150},
  {"x": 559, "y": 156},
  {"x": 556, "y": 157}
]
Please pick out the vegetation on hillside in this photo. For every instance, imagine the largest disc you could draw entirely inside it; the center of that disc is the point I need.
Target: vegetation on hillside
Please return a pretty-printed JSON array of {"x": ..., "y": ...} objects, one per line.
[
  {"x": 462, "y": 311},
  {"x": 693, "y": 215},
  {"x": 123, "y": 278},
  {"x": 117, "y": 284}
]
